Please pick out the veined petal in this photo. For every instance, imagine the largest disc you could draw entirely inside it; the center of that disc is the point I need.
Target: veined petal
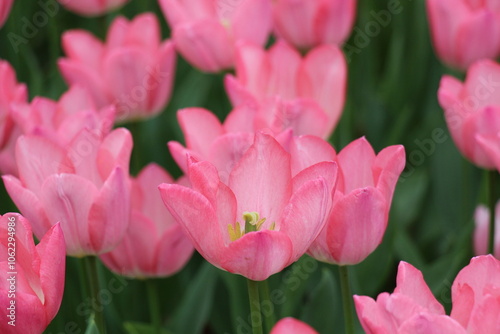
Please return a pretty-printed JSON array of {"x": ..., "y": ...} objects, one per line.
[
  {"x": 194, "y": 212},
  {"x": 258, "y": 255},
  {"x": 261, "y": 180}
]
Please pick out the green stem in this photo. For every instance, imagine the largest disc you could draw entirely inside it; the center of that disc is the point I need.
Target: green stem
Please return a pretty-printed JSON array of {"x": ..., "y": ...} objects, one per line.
[
  {"x": 492, "y": 198},
  {"x": 93, "y": 279},
  {"x": 154, "y": 305},
  {"x": 269, "y": 317},
  {"x": 346, "y": 299},
  {"x": 255, "y": 313}
]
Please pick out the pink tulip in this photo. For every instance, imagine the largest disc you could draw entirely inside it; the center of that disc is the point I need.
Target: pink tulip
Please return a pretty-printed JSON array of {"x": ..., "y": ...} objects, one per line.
[
  {"x": 315, "y": 83},
  {"x": 5, "y": 7},
  {"x": 92, "y": 7},
  {"x": 472, "y": 109},
  {"x": 61, "y": 121},
  {"x": 310, "y": 23},
  {"x": 412, "y": 309},
  {"x": 154, "y": 244},
  {"x": 83, "y": 185},
  {"x": 259, "y": 221},
  {"x": 205, "y": 31},
  {"x": 133, "y": 70},
  {"x": 464, "y": 31},
  {"x": 292, "y": 326},
  {"x": 10, "y": 92},
  {"x": 208, "y": 139},
  {"x": 361, "y": 203},
  {"x": 32, "y": 276},
  {"x": 476, "y": 296},
  {"x": 481, "y": 232}
]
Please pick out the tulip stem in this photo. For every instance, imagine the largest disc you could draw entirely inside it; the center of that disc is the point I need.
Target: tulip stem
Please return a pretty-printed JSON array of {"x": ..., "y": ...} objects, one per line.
[
  {"x": 154, "y": 305},
  {"x": 346, "y": 299},
  {"x": 255, "y": 313},
  {"x": 492, "y": 198},
  {"x": 269, "y": 317},
  {"x": 93, "y": 279}
]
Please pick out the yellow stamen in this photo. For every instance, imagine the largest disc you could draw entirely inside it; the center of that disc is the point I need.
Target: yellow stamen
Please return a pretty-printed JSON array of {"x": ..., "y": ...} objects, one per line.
[{"x": 253, "y": 223}]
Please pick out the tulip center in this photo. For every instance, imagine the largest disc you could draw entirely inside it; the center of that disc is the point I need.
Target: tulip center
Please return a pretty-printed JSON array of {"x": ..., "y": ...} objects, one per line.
[{"x": 252, "y": 223}]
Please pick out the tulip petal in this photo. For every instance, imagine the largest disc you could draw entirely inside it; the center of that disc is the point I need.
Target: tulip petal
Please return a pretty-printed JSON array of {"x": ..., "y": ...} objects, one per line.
[
  {"x": 52, "y": 251},
  {"x": 127, "y": 69},
  {"x": 427, "y": 323},
  {"x": 145, "y": 196},
  {"x": 478, "y": 37},
  {"x": 29, "y": 204},
  {"x": 197, "y": 216},
  {"x": 410, "y": 282},
  {"x": 304, "y": 217},
  {"x": 356, "y": 225},
  {"x": 252, "y": 21},
  {"x": 82, "y": 47},
  {"x": 161, "y": 77},
  {"x": 261, "y": 179},
  {"x": 309, "y": 150},
  {"x": 323, "y": 78},
  {"x": 373, "y": 318},
  {"x": 67, "y": 199},
  {"x": 292, "y": 326},
  {"x": 109, "y": 216},
  {"x": 173, "y": 252},
  {"x": 355, "y": 162},
  {"x": 75, "y": 73},
  {"x": 258, "y": 255},
  {"x": 387, "y": 167},
  {"x": 200, "y": 128},
  {"x": 205, "y": 44},
  {"x": 37, "y": 158}
]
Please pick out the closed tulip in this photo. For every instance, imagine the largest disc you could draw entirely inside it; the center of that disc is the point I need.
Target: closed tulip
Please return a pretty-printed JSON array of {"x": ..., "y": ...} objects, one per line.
[
  {"x": 361, "y": 203},
  {"x": 32, "y": 276},
  {"x": 92, "y": 7},
  {"x": 154, "y": 244},
  {"x": 292, "y": 326},
  {"x": 464, "y": 31},
  {"x": 316, "y": 82},
  {"x": 472, "y": 109},
  {"x": 5, "y": 7},
  {"x": 481, "y": 231},
  {"x": 310, "y": 23},
  {"x": 261, "y": 219},
  {"x": 11, "y": 92},
  {"x": 83, "y": 185},
  {"x": 132, "y": 70},
  {"x": 205, "y": 31}
]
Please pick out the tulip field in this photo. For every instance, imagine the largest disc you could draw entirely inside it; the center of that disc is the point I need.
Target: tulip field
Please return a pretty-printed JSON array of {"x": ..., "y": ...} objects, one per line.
[{"x": 249, "y": 167}]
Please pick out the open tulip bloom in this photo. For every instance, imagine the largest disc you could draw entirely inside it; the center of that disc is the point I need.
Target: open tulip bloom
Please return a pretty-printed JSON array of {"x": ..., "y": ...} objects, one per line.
[
  {"x": 87, "y": 190},
  {"x": 263, "y": 219}
]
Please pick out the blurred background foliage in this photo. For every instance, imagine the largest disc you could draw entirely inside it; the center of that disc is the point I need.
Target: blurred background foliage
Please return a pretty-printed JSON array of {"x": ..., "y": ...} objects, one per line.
[{"x": 393, "y": 79}]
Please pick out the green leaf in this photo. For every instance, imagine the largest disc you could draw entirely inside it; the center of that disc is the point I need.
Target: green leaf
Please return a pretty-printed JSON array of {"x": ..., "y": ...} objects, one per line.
[
  {"x": 141, "y": 328},
  {"x": 92, "y": 327},
  {"x": 323, "y": 309},
  {"x": 195, "y": 308}
]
